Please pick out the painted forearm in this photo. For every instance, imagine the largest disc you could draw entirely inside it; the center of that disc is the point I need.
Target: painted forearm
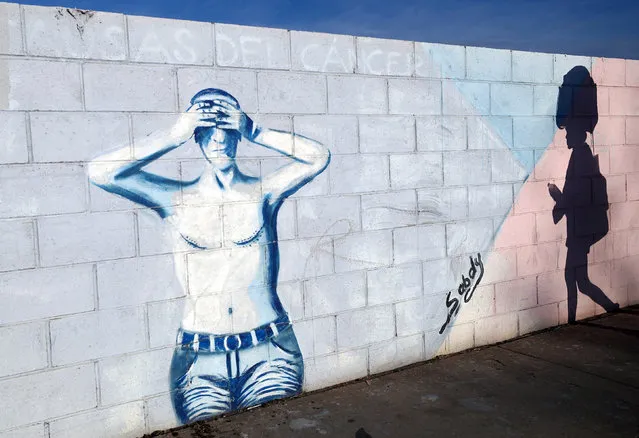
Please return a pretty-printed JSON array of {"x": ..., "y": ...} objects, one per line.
[{"x": 299, "y": 148}]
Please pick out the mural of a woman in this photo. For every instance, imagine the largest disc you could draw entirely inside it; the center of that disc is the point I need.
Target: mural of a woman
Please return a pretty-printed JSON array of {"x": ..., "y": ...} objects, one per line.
[{"x": 236, "y": 346}]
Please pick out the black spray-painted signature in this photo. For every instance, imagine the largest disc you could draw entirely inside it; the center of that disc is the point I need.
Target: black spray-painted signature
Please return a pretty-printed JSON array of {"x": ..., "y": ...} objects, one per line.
[{"x": 466, "y": 289}]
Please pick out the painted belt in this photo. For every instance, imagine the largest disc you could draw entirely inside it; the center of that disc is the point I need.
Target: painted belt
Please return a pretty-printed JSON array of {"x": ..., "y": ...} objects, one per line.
[{"x": 207, "y": 342}]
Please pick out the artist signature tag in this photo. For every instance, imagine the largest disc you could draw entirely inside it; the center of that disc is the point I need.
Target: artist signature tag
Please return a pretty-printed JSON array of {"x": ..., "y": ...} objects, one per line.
[{"x": 465, "y": 290}]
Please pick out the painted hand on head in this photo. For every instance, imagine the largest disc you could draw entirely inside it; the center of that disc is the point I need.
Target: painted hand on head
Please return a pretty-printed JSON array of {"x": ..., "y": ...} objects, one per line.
[
  {"x": 226, "y": 116},
  {"x": 194, "y": 117}
]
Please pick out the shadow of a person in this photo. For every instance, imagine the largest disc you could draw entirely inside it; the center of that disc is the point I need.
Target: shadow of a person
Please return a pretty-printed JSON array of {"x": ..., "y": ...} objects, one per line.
[{"x": 584, "y": 200}]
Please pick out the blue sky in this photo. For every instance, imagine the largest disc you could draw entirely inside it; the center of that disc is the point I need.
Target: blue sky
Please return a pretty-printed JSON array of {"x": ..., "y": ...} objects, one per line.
[{"x": 588, "y": 27}]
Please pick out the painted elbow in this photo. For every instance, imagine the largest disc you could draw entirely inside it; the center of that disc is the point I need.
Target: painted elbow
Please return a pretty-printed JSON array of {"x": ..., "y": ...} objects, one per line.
[{"x": 99, "y": 174}]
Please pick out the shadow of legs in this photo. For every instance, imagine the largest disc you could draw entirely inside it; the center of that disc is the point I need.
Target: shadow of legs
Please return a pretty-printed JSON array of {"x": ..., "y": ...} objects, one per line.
[{"x": 593, "y": 291}]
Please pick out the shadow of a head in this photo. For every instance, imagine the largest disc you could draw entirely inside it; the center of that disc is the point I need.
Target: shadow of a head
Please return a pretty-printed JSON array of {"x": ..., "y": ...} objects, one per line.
[{"x": 577, "y": 106}]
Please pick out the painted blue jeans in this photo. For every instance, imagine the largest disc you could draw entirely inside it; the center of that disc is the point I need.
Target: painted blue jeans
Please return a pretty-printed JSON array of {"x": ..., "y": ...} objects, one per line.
[{"x": 205, "y": 383}]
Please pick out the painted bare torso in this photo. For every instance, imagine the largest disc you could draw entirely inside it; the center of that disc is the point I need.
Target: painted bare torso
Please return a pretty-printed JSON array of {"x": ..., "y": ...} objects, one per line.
[{"x": 231, "y": 281}]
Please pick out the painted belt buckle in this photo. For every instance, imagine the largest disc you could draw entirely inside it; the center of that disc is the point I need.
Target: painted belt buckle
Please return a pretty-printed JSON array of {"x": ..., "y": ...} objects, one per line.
[{"x": 236, "y": 344}]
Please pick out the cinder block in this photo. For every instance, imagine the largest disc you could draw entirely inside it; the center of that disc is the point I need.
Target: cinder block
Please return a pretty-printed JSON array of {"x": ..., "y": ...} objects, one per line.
[
  {"x": 170, "y": 41},
  {"x": 31, "y": 190},
  {"x": 469, "y": 237},
  {"x": 533, "y": 132},
  {"x": 11, "y": 30},
  {"x": 490, "y": 132},
  {"x": 624, "y": 273},
  {"x": 616, "y": 188},
  {"x": 632, "y": 73},
  {"x": 291, "y": 93},
  {"x": 624, "y": 159},
  {"x": 517, "y": 230},
  {"x": 609, "y": 71},
  {"x": 43, "y": 293},
  {"x": 500, "y": 265},
  {"x": 585, "y": 309},
  {"x": 624, "y": 101},
  {"x": 461, "y": 337},
  {"x": 441, "y": 275},
  {"x": 113, "y": 87},
  {"x": 338, "y": 133},
  {"x": 624, "y": 216},
  {"x": 292, "y": 297},
  {"x": 41, "y": 85},
  {"x": 488, "y": 64},
  {"x": 386, "y": 134},
  {"x": 371, "y": 249},
  {"x": 85, "y": 238},
  {"x": 74, "y": 33},
  {"x": 328, "y": 216},
  {"x": 511, "y": 100},
  {"x": 424, "y": 242},
  {"x": 31, "y": 339},
  {"x": 317, "y": 336},
  {"x": 357, "y": 95},
  {"x": 34, "y": 431},
  {"x": 123, "y": 421},
  {"x": 164, "y": 320},
  {"x": 325, "y": 371},
  {"x": 396, "y": 353},
  {"x": 409, "y": 316},
  {"x": 467, "y": 168},
  {"x": 358, "y": 174},
  {"x": 440, "y": 61},
  {"x": 159, "y": 413},
  {"x": 76, "y": 136},
  {"x": 268, "y": 121},
  {"x": 335, "y": 293},
  {"x": 610, "y": 131},
  {"x": 547, "y": 230},
  {"x": 545, "y": 100},
  {"x": 437, "y": 134},
  {"x": 496, "y": 329},
  {"x": 543, "y": 257},
  {"x": 492, "y": 200},
  {"x": 43, "y": 392},
  {"x": 305, "y": 258},
  {"x": 532, "y": 67},
  {"x": 241, "y": 84},
  {"x": 632, "y": 130},
  {"x": 140, "y": 280},
  {"x": 516, "y": 295},
  {"x": 539, "y": 318},
  {"x": 442, "y": 205},
  {"x": 465, "y": 98},
  {"x": 97, "y": 334},
  {"x": 146, "y": 374},
  {"x": 389, "y": 210},
  {"x": 551, "y": 287},
  {"x": 633, "y": 186},
  {"x": 385, "y": 57},
  {"x": 252, "y": 47},
  {"x": 367, "y": 326},
  {"x": 482, "y": 305},
  {"x": 564, "y": 63},
  {"x": 414, "y": 96},
  {"x": 533, "y": 197},
  {"x": 397, "y": 283},
  {"x": 322, "y": 52},
  {"x": 17, "y": 247},
  {"x": 413, "y": 171},
  {"x": 13, "y": 132}
]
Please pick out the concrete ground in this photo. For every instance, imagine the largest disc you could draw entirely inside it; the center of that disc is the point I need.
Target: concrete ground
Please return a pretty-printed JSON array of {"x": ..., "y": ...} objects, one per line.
[{"x": 572, "y": 381}]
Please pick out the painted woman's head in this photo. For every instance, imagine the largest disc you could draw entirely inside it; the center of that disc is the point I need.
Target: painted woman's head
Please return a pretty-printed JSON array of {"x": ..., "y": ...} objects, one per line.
[{"x": 215, "y": 140}]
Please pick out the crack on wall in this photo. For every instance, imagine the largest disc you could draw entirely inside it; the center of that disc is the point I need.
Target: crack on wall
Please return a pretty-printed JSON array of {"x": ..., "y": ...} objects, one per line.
[{"x": 81, "y": 17}]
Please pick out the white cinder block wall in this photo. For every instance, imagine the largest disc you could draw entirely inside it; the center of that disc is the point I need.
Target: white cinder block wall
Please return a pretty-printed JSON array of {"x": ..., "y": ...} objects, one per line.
[{"x": 438, "y": 152}]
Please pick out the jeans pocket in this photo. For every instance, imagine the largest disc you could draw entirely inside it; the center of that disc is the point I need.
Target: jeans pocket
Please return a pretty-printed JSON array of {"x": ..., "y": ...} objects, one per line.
[
  {"x": 181, "y": 363},
  {"x": 286, "y": 342}
]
